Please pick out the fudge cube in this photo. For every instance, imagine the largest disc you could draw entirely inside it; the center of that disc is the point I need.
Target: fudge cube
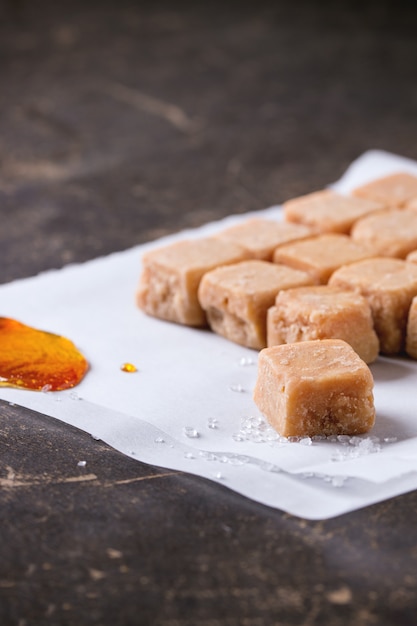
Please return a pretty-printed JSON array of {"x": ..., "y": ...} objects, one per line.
[
  {"x": 323, "y": 312},
  {"x": 320, "y": 256},
  {"x": 393, "y": 191},
  {"x": 313, "y": 388},
  {"x": 329, "y": 212},
  {"x": 389, "y": 285},
  {"x": 260, "y": 237},
  {"x": 389, "y": 233},
  {"x": 171, "y": 276},
  {"x": 236, "y": 298},
  {"x": 411, "y": 336}
]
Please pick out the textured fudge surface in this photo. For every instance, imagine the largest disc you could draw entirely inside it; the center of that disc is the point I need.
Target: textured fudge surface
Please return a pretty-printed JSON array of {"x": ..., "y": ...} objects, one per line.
[
  {"x": 389, "y": 285},
  {"x": 393, "y": 190},
  {"x": 321, "y": 255},
  {"x": 323, "y": 312},
  {"x": 328, "y": 211},
  {"x": 171, "y": 276},
  {"x": 389, "y": 233},
  {"x": 260, "y": 236},
  {"x": 236, "y": 298}
]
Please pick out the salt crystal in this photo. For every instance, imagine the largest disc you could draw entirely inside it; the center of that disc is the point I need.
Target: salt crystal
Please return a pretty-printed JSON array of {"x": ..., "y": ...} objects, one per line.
[
  {"x": 317, "y": 438},
  {"x": 191, "y": 432},
  {"x": 338, "y": 481},
  {"x": 189, "y": 455},
  {"x": 245, "y": 361},
  {"x": 345, "y": 439},
  {"x": 159, "y": 440},
  {"x": 212, "y": 423},
  {"x": 390, "y": 439},
  {"x": 46, "y": 388},
  {"x": 237, "y": 388},
  {"x": 219, "y": 476},
  {"x": 96, "y": 437},
  {"x": 207, "y": 456},
  {"x": 12, "y": 404},
  {"x": 306, "y": 441},
  {"x": 74, "y": 395},
  {"x": 82, "y": 463}
]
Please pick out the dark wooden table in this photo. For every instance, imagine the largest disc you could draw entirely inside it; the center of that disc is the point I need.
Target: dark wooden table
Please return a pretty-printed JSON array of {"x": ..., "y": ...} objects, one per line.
[{"x": 123, "y": 121}]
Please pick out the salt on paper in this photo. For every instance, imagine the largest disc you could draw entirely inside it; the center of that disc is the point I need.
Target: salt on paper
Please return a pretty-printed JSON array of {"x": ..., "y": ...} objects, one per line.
[{"x": 178, "y": 389}]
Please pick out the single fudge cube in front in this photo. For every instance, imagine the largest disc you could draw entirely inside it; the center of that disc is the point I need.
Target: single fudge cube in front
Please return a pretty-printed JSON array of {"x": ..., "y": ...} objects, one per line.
[
  {"x": 411, "y": 337},
  {"x": 320, "y": 256},
  {"x": 315, "y": 388},
  {"x": 389, "y": 285},
  {"x": 260, "y": 237},
  {"x": 236, "y": 298},
  {"x": 389, "y": 233},
  {"x": 171, "y": 276},
  {"x": 329, "y": 212},
  {"x": 393, "y": 191},
  {"x": 323, "y": 312}
]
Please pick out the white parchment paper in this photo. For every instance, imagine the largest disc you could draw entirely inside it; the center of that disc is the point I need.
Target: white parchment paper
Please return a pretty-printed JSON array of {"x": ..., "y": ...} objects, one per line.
[{"x": 189, "y": 407}]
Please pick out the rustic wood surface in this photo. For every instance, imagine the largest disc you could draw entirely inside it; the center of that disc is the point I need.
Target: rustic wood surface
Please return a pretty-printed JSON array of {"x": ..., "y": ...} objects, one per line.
[{"x": 123, "y": 121}]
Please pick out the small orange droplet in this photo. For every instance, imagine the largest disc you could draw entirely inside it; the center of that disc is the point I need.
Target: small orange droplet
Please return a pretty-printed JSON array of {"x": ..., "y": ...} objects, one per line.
[
  {"x": 38, "y": 360},
  {"x": 129, "y": 367}
]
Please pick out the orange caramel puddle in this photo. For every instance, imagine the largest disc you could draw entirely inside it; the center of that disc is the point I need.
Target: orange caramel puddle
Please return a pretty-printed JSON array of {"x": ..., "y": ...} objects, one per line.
[{"x": 38, "y": 360}]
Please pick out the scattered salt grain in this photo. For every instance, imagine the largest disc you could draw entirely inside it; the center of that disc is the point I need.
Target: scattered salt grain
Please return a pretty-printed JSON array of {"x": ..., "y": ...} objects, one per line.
[
  {"x": 306, "y": 441},
  {"x": 212, "y": 423},
  {"x": 81, "y": 463},
  {"x": 207, "y": 456},
  {"x": 245, "y": 361},
  {"x": 390, "y": 439},
  {"x": 189, "y": 455},
  {"x": 46, "y": 388},
  {"x": 256, "y": 430},
  {"x": 191, "y": 432},
  {"x": 74, "y": 395},
  {"x": 159, "y": 440},
  {"x": 218, "y": 475},
  {"x": 237, "y": 388}
]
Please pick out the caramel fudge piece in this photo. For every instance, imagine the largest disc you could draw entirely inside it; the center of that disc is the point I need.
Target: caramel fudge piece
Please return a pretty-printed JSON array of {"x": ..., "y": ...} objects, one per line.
[
  {"x": 260, "y": 237},
  {"x": 323, "y": 312},
  {"x": 315, "y": 388},
  {"x": 389, "y": 233},
  {"x": 320, "y": 256},
  {"x": 171, "y": 276},
  {"x": 329, "y": 212},
  {"x": 237, "y": 297},
  {"x": 389, "y": 285},
  {"x": 411, "y": 337},
  {"x": 393, "y": 191}
]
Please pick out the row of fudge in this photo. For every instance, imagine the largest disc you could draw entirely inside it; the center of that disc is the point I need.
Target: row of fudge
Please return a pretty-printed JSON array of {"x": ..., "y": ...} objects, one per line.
[{"x": 337, "y": 267}]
